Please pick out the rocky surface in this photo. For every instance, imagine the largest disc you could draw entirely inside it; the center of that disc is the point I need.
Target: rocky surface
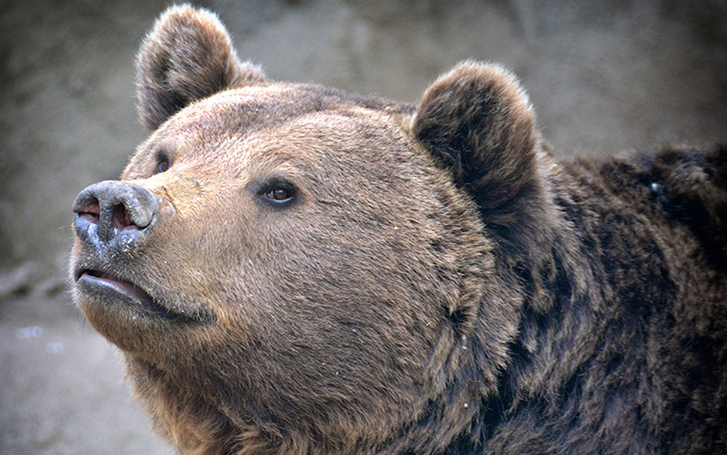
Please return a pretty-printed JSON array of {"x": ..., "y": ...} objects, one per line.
[{"x": 604, "y": 77}]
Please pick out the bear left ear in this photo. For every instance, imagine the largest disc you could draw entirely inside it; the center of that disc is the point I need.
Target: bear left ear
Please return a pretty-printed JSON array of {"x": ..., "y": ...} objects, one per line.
[
  {"x": 479, "y": 123},
  {"x": 187, "y": 56}
]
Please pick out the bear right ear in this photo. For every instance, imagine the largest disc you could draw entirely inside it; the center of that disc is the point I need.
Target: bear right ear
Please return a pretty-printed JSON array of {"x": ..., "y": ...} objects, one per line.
[
  {"x": 479, "y": 123},
  {"x": 186, "y": 57}
]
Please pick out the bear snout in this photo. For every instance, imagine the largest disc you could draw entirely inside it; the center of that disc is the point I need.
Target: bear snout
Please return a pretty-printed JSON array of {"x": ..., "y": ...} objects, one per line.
[{"x": 114, "y": 215}]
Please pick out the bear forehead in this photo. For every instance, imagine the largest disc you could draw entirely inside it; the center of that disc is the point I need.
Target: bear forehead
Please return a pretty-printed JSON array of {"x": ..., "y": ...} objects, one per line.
[
  {"x": 236, "y": 111},
  {"x": 280, "y": 123}
]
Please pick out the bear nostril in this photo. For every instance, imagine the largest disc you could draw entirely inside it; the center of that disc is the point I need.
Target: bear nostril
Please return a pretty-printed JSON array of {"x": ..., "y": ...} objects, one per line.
[
  {"x": 121, "y": 218},
  {"x": 89, "y": 209}
]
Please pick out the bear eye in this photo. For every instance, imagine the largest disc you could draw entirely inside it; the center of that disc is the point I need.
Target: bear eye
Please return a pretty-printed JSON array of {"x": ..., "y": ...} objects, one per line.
[
  {"x": 162, "y": 164},
  {"x": 278, "y": 193}
]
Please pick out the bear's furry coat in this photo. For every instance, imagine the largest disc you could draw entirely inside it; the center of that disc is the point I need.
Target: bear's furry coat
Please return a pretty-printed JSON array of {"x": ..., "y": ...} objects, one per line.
[{"x": 319, "y": 273}]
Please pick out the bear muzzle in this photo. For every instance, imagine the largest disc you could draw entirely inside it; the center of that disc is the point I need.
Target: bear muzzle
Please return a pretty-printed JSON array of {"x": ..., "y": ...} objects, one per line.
[{"x": 112, "y": 223}]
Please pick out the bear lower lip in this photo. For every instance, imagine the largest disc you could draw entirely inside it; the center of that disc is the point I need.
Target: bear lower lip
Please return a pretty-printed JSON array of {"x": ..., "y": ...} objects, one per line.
[{"x": 123, "y": 287}]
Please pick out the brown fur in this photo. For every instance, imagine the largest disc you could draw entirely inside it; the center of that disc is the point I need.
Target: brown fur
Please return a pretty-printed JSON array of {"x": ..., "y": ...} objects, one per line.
[{"x": 437, "y": 283}]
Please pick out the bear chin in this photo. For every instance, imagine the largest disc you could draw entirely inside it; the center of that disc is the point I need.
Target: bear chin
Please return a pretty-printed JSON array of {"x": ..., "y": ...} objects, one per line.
[{"x": 127, "y": 315}]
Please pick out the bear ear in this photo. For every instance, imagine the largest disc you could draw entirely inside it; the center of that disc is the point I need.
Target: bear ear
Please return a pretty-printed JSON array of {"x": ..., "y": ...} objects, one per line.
[
  {"x": 479, "y": 123},
  {"x": 187, "y": 56}
]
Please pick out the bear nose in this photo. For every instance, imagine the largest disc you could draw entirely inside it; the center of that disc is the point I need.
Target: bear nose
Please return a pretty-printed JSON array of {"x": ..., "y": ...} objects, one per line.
[{"x": 114, "y": 212}]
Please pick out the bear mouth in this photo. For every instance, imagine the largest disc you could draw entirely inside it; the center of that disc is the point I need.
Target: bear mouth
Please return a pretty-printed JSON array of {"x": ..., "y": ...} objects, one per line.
[{"x": 98, "y": 281}]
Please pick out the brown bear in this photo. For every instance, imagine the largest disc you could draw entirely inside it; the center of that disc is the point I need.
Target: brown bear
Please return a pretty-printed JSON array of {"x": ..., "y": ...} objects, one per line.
[{"x": 290, "y": 269}]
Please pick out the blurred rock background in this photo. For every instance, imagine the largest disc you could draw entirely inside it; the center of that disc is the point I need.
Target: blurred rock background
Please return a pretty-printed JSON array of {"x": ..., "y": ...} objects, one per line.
[{"x": 604, "y": 76}]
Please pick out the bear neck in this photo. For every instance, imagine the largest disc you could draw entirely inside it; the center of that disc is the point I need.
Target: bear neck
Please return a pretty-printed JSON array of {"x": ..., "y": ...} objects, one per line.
[{"x": 559, "y": 297}]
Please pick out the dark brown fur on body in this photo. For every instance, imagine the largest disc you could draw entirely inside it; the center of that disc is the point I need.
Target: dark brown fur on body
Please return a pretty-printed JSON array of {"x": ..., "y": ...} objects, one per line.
[{"x": 328, "y": 274}]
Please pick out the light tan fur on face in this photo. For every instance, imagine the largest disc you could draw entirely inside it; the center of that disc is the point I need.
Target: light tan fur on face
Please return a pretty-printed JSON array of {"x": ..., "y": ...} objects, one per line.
[{"x": 379, "y": 217}]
